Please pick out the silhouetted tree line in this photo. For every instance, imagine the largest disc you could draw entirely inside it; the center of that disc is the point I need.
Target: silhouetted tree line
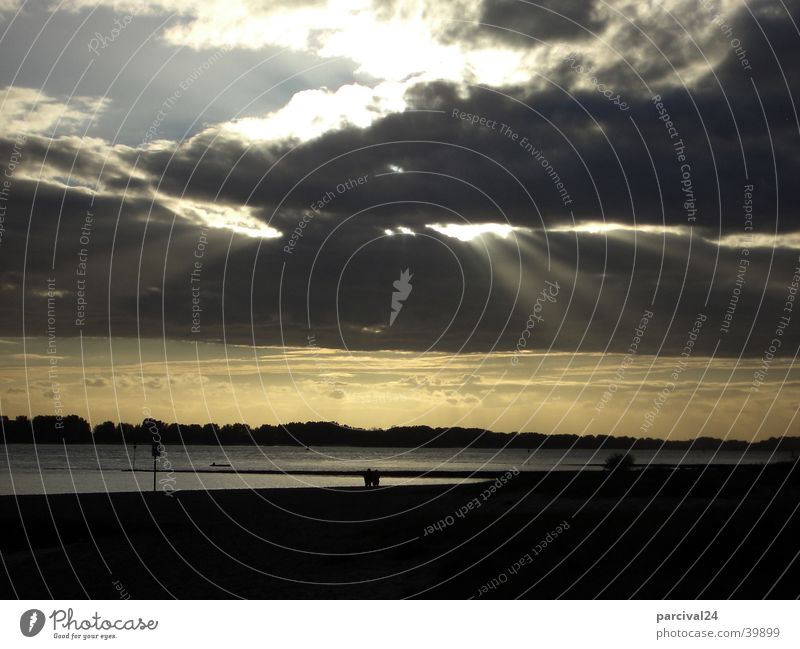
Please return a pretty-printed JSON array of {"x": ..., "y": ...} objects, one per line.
[{"x": 76, "y": 430}]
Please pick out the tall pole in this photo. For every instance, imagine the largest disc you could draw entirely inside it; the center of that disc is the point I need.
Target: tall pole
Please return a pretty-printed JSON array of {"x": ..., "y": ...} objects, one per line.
[{"x": 156, "y": 451}]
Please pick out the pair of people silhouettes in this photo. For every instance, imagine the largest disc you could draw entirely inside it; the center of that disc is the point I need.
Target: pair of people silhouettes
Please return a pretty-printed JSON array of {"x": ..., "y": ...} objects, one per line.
[{"x": 372, "y": 478}]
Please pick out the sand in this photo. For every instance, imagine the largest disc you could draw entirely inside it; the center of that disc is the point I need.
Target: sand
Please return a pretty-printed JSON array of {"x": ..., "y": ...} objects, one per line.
[{"x": 645, "y": 534}]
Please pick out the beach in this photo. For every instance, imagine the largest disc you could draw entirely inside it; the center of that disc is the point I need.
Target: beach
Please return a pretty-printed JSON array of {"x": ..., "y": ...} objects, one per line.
[{"x": 712, "y": 532}]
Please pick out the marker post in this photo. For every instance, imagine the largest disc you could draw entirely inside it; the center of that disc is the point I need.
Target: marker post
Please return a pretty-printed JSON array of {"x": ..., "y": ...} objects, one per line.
[{"x": 156, "y": 449}]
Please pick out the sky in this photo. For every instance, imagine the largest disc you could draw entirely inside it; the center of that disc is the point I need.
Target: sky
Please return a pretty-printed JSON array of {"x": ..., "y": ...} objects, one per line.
[{"x": 565, "y": 217}]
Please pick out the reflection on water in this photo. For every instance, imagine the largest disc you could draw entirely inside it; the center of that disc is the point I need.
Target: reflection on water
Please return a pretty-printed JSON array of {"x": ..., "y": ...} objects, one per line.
[{"x": 25, "y": 469}]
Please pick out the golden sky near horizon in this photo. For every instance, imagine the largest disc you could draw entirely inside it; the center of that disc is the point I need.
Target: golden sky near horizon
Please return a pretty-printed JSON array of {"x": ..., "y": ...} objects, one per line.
[{"x": 551, "y": 393}]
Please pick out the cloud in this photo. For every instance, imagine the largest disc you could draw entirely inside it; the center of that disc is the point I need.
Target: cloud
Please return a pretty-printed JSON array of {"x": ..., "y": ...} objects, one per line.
[
  {"x": 225, "y": 217},
  {"x": 26, "y": 110},
  {"x": 371, "y": 34},
  {"x": 98, "y": 382},
  {"x": 487, "y": 210},
  {"x": 310, "y": 113},
  {"x": 45, "y": 358},
  {"x": 525, "y": 24}
]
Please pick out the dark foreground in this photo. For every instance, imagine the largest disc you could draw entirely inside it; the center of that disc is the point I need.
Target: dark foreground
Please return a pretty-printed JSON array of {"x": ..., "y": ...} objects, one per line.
[{"x": 655, "y": 533}]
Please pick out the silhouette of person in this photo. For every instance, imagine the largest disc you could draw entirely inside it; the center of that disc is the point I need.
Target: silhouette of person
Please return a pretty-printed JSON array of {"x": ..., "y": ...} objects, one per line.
[
  {"x": 376, "y": 478},
  {"x": 368, "y": 478}
]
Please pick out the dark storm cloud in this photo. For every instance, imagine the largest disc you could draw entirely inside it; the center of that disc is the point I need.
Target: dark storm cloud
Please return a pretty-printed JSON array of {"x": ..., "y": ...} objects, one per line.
[
  {"x": 595, "y": 150},
  {"x": 516, "y": 23},
  {"x": 139, "y": 283},
  {"x": 601, "y": 153}
]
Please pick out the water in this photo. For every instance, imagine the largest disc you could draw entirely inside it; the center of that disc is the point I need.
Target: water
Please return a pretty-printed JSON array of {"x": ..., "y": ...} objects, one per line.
[{"x": 46, "y": 468}]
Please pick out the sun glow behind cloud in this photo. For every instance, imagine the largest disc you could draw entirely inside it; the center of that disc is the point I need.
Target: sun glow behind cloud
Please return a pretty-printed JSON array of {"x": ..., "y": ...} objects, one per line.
[
  {"x": 606, "y": 227},
  {"x": 789, "y": 241},
  {"x": 388, "y": 42},
  {"x": 471, "y": 231}
]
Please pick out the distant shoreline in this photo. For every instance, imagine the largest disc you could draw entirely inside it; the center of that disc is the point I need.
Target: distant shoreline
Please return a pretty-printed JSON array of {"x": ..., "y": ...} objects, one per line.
[{"x": 72, "y": 429}]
